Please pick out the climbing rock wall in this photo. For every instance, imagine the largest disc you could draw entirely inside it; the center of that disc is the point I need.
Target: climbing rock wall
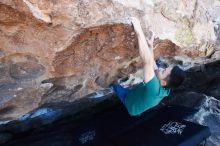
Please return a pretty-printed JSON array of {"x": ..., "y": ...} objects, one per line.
[{"x": 63, "y": 50}]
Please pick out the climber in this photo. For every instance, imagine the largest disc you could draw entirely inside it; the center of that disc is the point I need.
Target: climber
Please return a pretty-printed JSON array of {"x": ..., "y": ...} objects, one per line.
[{"x": 157, "y": 82}]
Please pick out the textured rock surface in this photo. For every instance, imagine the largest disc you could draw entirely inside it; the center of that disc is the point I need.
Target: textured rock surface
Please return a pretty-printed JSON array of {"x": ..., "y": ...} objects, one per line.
[
  {"x": 198, "y": 91},
  {"x": 53, "y": 51}
]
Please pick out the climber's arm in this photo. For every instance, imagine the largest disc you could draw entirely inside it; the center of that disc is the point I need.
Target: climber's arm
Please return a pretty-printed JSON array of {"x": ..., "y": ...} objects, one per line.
[
  {"x": 151, "y": 46},
  {"x": 145, "y": 52}
]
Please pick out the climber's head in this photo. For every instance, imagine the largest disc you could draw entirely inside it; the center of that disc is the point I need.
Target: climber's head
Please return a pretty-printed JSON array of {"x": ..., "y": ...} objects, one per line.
[{"x": 171, "y": 77}]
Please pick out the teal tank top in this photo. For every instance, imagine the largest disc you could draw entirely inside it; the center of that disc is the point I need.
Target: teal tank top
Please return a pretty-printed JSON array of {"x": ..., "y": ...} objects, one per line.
[{"x": 145, "y": 96}]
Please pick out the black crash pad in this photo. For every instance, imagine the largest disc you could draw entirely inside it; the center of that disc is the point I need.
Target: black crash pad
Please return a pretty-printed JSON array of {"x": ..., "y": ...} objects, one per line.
[
  {"x": 116, "y": 127},
  {"x": 169, "y": 132}
]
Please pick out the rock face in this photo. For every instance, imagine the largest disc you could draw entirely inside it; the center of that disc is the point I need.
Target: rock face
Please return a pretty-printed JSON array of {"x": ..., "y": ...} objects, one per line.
[
  {"x": 53, "y": 51},
  {"x": 56, "y": 123}
]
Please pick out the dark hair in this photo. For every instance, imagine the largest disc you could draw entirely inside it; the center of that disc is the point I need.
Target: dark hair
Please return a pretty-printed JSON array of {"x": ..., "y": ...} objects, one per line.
[{"x": 176, "y": 77}]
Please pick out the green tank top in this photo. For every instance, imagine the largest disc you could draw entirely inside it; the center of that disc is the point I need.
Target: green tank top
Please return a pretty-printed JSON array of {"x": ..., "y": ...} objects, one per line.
[{"x": 145, "y": 96}]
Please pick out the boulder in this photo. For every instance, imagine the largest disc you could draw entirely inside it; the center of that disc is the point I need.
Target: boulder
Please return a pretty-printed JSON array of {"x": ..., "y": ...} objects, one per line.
[{"x": 64, "y": 50}]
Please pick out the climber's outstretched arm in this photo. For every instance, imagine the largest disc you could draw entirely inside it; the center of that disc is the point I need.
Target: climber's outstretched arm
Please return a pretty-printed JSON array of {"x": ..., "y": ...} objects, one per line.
[{"x": 144, "y": 50}]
